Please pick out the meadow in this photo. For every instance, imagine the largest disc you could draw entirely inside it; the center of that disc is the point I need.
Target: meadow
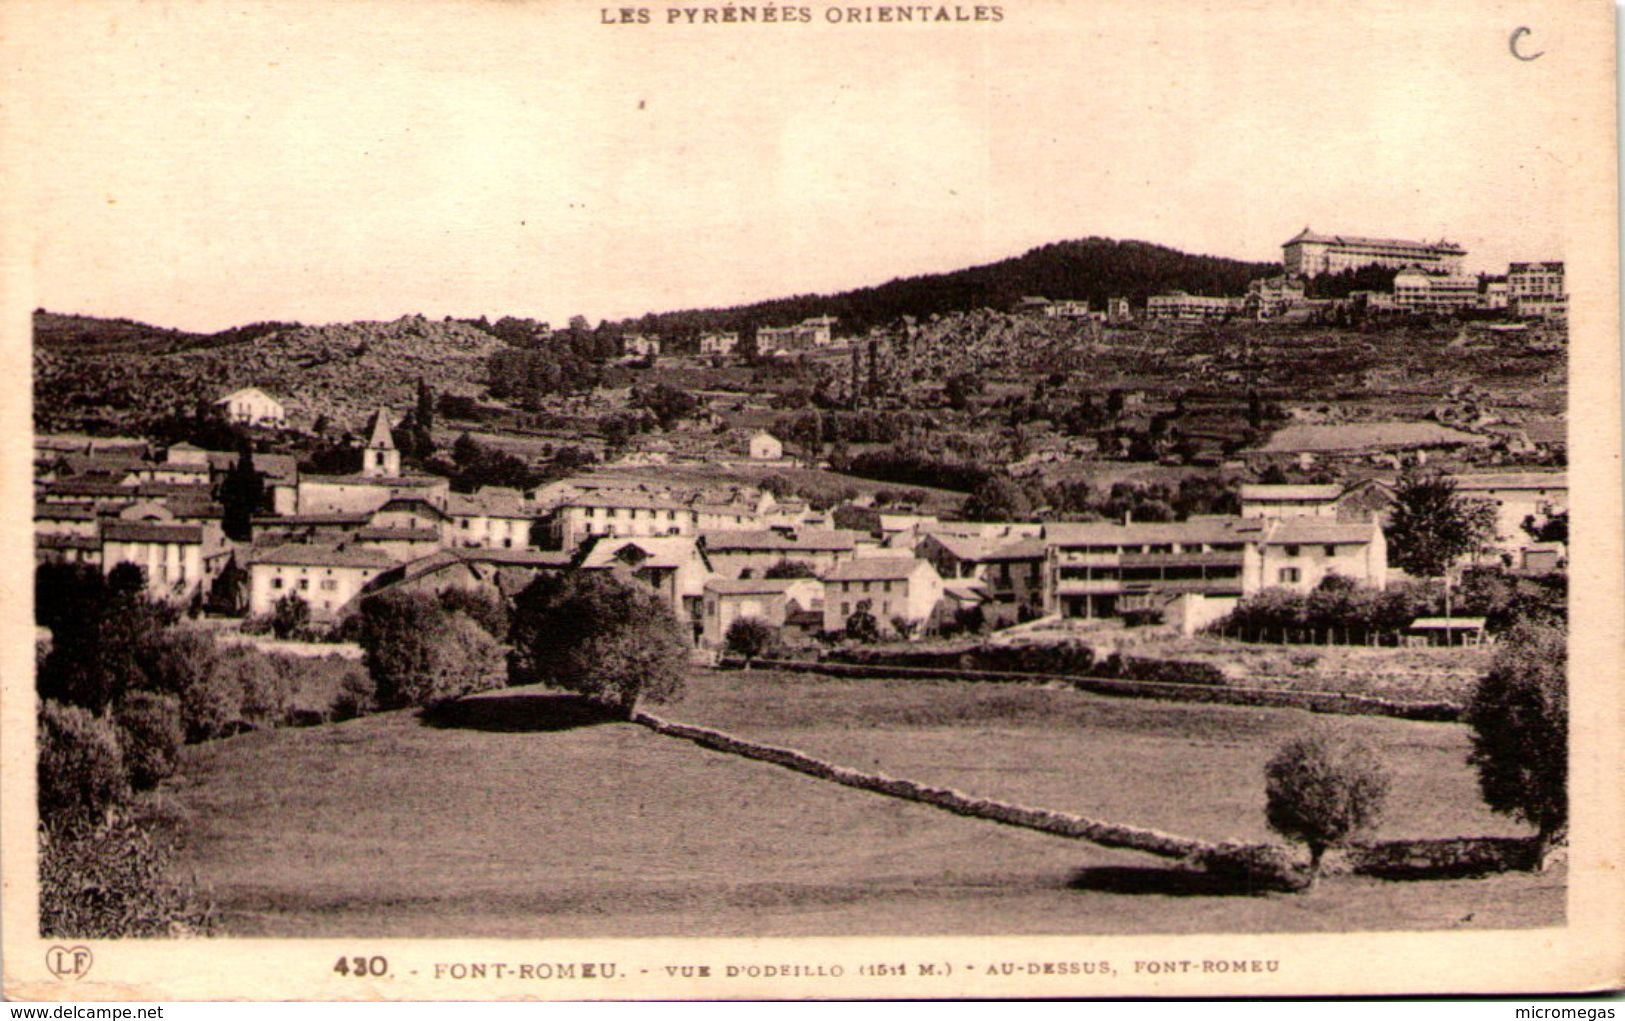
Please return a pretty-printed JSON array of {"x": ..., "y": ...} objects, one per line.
[{"x": 520, "y": 814}]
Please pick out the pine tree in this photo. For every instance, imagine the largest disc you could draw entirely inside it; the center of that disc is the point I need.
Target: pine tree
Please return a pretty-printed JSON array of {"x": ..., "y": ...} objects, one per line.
[{"x": 242, "y": 492}]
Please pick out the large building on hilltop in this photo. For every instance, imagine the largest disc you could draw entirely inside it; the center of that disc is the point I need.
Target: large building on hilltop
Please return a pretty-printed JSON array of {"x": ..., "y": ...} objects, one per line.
[{"x": 1310, "y": 254}]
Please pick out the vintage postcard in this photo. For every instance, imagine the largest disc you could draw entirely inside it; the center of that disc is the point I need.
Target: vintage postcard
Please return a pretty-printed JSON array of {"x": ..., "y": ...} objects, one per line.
[{"x": 713, "y": 500}]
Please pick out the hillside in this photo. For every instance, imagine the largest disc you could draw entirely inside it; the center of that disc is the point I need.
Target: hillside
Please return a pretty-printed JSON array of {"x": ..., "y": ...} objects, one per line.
[
  {"x": 342, "y": 371},
  {"x": 1093, "y": 268}
]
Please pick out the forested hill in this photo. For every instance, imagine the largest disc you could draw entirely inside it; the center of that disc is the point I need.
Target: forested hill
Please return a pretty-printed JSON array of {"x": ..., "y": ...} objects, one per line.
[{"x": 1093, "y": 269}]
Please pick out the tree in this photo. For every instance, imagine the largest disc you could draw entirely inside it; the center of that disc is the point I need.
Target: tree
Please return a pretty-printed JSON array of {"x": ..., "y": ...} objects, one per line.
[
  {"x": 1322, "y": 789},
  {"x": 1519, "y": 717},
  {"x": 420, "y": 655},
  {"x": 1432, "y": 526},
  {"x": 751, "y": 637},
  {"x": 1552, "y": 529},
  {"x": 787, "y": 568},
  {"x": 289, "y": 616},
  {"x": 242, "y": 493},
  {"x": 80, "y": 767},
  {"x": 861, "y": 625},
  {"x": 150, "y": 735},
  {"x": 425, "y": 406},
  {"x": 1000, "y": 498},
  {"x": 960, "y": 389},
  {"x": 591, "y": 632}
]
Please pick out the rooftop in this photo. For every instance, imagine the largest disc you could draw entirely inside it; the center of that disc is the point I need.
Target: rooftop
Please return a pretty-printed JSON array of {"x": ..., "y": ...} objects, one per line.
[
  {"x": 1136, "y": 533},
  {"x": 836, "y": 540},
  {"x": 754, "y": 586},
  {"x": 144, "y": 531},
  {"x": 298, "y": 554},
  {"x": 1309, "y": 531},
  {"x": 874, "y": 569},
  {"x": 1261, "y": 492},
  {"x": 1512, "y": 480}
]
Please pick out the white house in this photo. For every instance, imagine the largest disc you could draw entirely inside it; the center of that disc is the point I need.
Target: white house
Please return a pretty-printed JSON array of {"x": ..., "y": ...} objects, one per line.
[
  {"x": 618, "y": 513},
  {"x": 764, "y": 446},
  {"x": 1260, "y": 500},
  {"x": 770, "y": 600},
  {"x": 905, "y": 587},
  {"x": 1298, "y": 554},
  {"x": 673, "y": 565},
  {"x": 325, "y": 577},
  {"x": 495, "y": 517},
  {"x": 252, "y": 406},
  {"x": 177, "y": 558}
]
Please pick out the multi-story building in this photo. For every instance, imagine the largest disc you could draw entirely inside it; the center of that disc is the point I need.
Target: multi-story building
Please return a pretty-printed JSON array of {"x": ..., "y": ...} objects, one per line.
[
  {"x": 616, "y": 513},
  {"x": 1416, "y": 290},
  {"x": 1268, "y": 297},
  {"x": 1011, "y": 573},
  {"x": 495, "y": 517},
  {"x": 893, "y": 587},
  {"x": 817, "y": 331},
  {"x": 718, "y": 343},
  {"x": 1263, "y": 500},
  {"x": 1537, "y": 290},
  {"x": 1299, "y": 553},
  {"x": 675, "y": 566},
  {"x": 1104, "y": 569},
  {"x": 252, "y": 406},
  {"x": 1118, "y": 310},
  {"x": 1310, "y": 254},
  {"x": 325, "y": 577},
  {"x": 740, "y": 554},
  {"x": 770, "y": 600},
  {"x": 179, "y": 560},
  {"x": 1495, "y": 296},
  {"x": 1189, "y": 307},
  {"x": 1517, "y": 496}
]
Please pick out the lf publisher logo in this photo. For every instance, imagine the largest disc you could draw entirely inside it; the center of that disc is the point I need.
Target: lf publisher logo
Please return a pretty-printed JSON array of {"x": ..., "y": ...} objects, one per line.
[{"x": 68, "y": 962}]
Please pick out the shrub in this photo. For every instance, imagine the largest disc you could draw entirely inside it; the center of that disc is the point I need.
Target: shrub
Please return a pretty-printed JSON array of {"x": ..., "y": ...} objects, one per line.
[
  {"x": 787, "y": 568},
  {"x": 903, "y": 626},
  {"x": 112, "y": 882},
  {"x": 80, "y": 767},
  {"x": 483, "y": 607},
  {"x": 590, "y": 632},
  {"x": 290, "y": 616},
  {"x": 420, "y": 655},
  {"x": 212, "y": 705},
  {"x": 264, "y": 684},
  {"x": 179, "y": 659},
  {"x": 861, "y": 625},
  {"x": 150, "y": 733},
  {"x": 1321, "y": 790},
  {"x": 751, "y": 637},
  {"x": 357, "y": 696},
  {"x": 1518, "y": 713}
]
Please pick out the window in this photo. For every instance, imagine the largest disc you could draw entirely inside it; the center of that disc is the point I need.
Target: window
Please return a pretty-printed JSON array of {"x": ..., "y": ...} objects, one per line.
[
  {"x": 1288, "y": 575},
  {"x": 592, "y": 512},
  {"x": 378, "y": 458},
  {"x": 1292, "y": 551},
  {"x": 609, "y": 513},
  {"x": 330, "y": 585},
  {"x": 276, "y": 582},
  {"x": 1331, "y": 550},
  {"x": 865, "y": 586},
  {"x": 304, "y": 584},
  {"x": 846, "y": 609},
  {"x": 463, "y": 524}
]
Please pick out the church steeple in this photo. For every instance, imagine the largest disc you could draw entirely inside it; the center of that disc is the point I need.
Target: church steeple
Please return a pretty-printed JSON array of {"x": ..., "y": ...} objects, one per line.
[{"x": 380, "y": 459}]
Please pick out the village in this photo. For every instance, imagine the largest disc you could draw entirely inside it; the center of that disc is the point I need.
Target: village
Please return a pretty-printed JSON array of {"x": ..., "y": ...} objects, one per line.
[
  {"x": 1307, "y": 500},
  {"x": 1115, "y": 557}
]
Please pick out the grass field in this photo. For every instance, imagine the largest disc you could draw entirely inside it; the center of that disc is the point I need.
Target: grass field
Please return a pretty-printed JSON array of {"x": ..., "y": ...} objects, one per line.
[{"x": 519, "y": 817}]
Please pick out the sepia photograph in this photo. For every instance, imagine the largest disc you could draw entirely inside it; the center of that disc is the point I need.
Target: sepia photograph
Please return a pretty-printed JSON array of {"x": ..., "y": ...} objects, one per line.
[{"x": 1052, "y": 498}]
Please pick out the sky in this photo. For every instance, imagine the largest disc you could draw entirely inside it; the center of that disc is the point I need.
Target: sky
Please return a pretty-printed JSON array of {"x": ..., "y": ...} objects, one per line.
[{"x": 207, "y": 164}]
